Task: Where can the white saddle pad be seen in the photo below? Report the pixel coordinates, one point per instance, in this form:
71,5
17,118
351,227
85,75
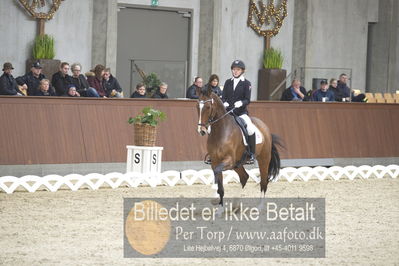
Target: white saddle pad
258,136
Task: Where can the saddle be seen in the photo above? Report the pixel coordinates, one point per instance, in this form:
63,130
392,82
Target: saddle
243,125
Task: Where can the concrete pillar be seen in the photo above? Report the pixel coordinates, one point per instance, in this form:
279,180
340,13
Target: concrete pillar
104,42
299,36
205,39
382,71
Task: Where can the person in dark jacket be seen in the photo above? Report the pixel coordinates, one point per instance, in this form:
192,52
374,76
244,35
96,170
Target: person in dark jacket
45,89
8,85
237,95
111,85
96,81
343,92
161,92
191,91
294,93
81,84
32,79
140,91
214,83
61,80
323,94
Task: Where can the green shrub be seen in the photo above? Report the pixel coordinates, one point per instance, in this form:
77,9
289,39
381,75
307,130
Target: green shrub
152,83
150,116
273,58
43,47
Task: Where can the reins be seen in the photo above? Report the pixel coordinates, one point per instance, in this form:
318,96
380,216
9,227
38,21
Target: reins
210,120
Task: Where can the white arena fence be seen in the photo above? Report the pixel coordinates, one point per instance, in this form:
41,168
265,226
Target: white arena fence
74,182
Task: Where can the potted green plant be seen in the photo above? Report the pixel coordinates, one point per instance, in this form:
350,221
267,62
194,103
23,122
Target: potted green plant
272,74
43,51
152,83
145,125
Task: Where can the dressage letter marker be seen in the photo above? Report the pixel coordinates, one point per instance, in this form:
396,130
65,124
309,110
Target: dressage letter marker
142,159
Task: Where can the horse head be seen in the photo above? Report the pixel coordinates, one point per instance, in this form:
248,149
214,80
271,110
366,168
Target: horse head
206,109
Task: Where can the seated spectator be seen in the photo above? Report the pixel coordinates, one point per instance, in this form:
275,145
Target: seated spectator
80,82
8,85
111,85
323,94
161,91
45,89
294,93
61,80
214,83
333,86
72,92
23,88
140,91
96,80
32,79
343,92
191,91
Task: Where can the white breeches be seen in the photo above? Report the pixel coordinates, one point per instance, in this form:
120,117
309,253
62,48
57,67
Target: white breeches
250,125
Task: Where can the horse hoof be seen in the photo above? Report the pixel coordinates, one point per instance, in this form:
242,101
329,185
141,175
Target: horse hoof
215,201
219,211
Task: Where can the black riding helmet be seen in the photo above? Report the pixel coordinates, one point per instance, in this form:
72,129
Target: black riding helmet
239,64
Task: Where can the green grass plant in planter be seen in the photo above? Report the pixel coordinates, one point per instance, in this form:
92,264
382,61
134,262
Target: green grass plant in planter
273,58
43,47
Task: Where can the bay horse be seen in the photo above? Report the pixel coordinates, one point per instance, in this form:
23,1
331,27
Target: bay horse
225,143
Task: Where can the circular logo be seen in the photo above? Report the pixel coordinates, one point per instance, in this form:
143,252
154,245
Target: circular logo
146,232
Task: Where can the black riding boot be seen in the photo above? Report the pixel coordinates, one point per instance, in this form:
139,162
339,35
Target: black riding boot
252,146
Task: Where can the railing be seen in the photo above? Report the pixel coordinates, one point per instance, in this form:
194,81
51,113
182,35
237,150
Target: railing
278,88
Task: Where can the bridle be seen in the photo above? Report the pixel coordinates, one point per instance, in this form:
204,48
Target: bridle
211,119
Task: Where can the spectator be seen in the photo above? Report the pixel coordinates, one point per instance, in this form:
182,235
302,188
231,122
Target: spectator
140,91
343,92
23,88
333,86
323,94
96,81
191,91
214,83
294,93
161,92
111,85
80,82
44,89
32,79
72,92
61,80
8,85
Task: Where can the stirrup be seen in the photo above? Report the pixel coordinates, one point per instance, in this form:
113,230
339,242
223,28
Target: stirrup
207,159
250,159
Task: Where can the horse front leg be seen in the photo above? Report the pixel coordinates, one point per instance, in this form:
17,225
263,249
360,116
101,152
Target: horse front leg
218,172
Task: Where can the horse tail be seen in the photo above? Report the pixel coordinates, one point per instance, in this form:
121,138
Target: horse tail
275,163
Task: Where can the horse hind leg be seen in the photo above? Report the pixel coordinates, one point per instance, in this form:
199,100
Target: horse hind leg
264,158
242,173
263,161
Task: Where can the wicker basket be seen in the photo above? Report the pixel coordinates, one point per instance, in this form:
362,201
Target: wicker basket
144,135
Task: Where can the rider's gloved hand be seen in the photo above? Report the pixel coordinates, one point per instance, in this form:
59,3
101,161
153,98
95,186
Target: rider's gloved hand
238,104
226,104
